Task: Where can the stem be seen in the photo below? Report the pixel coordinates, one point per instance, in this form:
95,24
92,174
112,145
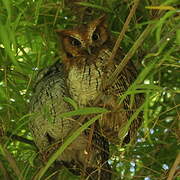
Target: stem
174,167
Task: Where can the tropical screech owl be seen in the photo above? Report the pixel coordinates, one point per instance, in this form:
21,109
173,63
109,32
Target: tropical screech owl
80,75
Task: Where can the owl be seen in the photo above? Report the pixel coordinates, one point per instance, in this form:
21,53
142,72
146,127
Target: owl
86,57
80,75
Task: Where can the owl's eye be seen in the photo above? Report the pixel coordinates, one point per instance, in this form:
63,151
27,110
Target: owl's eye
75,42
69,55
95,36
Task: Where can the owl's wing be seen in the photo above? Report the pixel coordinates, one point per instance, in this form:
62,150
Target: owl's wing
47,104
114,124
48,127
125,79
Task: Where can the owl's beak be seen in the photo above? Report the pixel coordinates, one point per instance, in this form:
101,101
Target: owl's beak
89,50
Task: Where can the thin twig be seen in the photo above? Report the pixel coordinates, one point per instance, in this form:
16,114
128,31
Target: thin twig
174,167
4,172
114,51
126,59
130,53
11,161
124,29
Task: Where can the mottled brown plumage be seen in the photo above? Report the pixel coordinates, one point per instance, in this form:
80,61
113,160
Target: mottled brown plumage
87,52
81,76
49,130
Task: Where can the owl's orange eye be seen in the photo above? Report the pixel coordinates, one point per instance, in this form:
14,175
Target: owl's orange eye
95,36
75,42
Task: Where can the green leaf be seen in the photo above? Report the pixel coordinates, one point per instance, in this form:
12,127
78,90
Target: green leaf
7,4
71,102
37,11
84,111
66,143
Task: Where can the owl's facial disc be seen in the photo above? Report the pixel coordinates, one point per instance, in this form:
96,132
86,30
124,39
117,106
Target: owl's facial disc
82,44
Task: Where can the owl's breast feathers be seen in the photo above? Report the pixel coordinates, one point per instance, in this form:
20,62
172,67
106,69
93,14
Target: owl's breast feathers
86,83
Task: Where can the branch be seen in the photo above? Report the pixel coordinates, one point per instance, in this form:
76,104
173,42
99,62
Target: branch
4,172
174,167
12,163
116,47
124,29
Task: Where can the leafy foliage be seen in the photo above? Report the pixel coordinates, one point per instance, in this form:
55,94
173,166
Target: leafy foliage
28,43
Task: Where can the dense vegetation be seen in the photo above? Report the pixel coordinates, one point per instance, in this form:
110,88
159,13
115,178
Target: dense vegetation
28,43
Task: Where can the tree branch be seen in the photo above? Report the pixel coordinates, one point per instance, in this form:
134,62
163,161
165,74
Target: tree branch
12,163
5,172
174,167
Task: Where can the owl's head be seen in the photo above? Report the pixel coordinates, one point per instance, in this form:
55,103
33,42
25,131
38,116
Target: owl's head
84,42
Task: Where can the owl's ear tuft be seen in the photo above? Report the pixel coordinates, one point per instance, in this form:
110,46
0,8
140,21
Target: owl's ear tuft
102,19
60,32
